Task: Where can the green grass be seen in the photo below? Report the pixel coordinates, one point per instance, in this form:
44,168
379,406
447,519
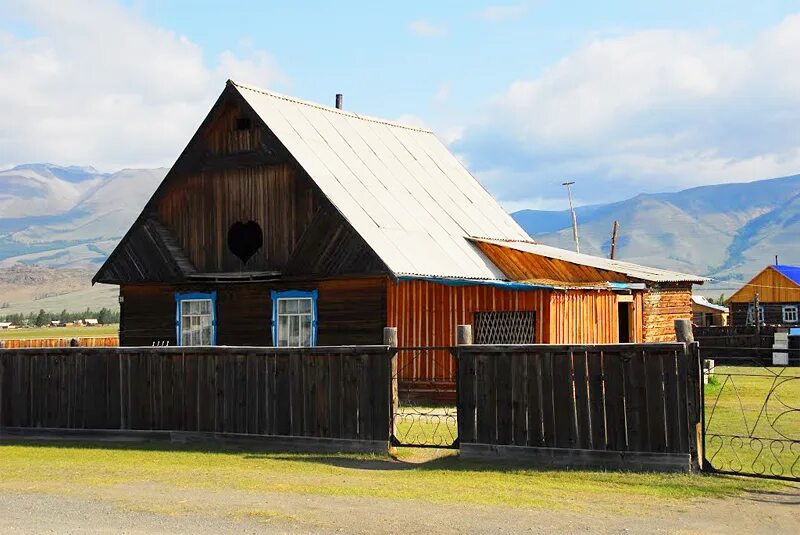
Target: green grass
735,406
418,425
59,332
93,470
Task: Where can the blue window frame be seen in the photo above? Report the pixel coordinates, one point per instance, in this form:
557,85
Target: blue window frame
196,319
294,318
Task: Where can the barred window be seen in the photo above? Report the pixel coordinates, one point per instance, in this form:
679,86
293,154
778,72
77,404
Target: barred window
517,327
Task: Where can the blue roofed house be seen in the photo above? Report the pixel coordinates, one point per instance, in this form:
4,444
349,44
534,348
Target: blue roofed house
778,289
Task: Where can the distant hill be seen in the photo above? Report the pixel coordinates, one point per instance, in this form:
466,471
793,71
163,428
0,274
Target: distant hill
726,231
72,217
68,216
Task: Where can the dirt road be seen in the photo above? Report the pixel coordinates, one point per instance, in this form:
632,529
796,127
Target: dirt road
154,509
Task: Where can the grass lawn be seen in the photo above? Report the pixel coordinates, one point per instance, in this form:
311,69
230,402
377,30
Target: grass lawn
94,469
60,332
417,425
735,407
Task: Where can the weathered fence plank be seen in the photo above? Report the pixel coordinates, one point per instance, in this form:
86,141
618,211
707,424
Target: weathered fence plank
612,405
324,393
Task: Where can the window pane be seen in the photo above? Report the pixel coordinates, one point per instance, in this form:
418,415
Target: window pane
283,331
294,331
305,325
291,306
304,306
281,306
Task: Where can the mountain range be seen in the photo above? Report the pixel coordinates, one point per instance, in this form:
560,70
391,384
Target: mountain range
71,217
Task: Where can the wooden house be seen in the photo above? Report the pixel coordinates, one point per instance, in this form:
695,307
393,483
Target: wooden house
778,288
707,314
289,223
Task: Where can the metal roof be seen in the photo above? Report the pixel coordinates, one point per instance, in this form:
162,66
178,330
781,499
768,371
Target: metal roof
398,186
702,301
628,269
790,272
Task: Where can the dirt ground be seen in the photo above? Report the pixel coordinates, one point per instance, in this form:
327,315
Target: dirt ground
148,508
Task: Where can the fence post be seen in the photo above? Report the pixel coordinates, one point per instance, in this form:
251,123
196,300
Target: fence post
390,339
464,335
694,392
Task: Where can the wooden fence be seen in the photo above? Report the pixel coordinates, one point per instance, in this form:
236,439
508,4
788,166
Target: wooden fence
734,341
333,397
83,341
628,406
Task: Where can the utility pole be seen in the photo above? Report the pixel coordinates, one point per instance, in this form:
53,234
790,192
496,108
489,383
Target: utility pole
614,240
574,219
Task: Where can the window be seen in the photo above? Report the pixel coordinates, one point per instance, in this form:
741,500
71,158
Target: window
243,123
790,314
196,319
751,320
517,327
294,318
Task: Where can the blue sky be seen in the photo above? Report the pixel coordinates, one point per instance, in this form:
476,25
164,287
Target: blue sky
623,97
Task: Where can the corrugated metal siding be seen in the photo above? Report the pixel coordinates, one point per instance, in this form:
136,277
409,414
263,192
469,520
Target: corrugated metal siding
427,313
399,187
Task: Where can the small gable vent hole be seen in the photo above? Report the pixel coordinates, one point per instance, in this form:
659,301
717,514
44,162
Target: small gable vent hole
243,123
245,239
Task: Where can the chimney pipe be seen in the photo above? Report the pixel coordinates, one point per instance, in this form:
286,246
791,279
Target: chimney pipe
338,101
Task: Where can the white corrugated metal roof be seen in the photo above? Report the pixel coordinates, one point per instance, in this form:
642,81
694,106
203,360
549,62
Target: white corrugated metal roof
629,269
398,186
702,301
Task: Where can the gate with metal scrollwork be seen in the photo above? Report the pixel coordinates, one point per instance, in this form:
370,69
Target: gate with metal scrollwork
752,415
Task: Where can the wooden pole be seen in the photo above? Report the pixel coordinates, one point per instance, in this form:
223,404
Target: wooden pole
683,331
390,339
614,240
464,335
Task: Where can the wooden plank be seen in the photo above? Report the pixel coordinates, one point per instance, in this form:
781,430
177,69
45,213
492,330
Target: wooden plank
365,399
594,361
548,400
349,397
534,408
297,396
486,406
466,393
381,394
683,416
582,408
283,415
615,401
694,384
504,389
635,401
519,398
253,388
335,395
310,390
654,391
564,401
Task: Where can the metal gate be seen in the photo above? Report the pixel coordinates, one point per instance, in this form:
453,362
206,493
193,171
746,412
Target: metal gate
752,414
424,413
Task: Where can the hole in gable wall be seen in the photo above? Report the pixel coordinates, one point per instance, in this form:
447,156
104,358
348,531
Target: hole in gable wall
245,239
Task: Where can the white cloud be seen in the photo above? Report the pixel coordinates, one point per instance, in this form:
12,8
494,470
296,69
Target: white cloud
443,93
501,13
426,28
652,110
98,84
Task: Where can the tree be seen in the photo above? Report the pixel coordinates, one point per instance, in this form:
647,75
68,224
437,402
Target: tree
104,316
41,318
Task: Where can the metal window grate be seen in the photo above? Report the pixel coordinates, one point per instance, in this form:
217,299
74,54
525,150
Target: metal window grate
517,327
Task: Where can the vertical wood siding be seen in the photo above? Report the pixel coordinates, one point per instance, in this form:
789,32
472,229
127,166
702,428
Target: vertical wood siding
426,314
200,209
589,317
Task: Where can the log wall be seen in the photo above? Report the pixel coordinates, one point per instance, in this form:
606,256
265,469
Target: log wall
663,305
349,312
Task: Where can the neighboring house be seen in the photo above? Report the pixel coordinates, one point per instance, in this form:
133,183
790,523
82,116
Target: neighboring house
5,324
289,223
90,322
707,314
778,288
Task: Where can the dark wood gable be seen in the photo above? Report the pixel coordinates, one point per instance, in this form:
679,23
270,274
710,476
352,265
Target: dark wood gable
236,182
